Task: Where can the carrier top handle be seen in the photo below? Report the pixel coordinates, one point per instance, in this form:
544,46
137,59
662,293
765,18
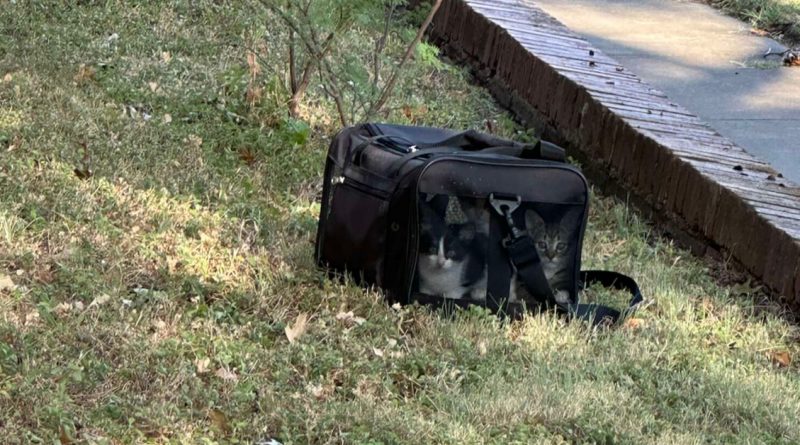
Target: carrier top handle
472,140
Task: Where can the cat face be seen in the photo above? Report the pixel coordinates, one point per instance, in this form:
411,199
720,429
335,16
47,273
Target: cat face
444,245
552,239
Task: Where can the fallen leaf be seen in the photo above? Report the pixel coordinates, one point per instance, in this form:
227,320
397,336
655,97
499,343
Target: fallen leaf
219,420
482,348
253,95
193,141
350,319
6,283
781,359
166,56
633,323
201,365
100,300
758,32
295,331
8,78
227,375
62,308
247,156
255,69
153,86
377,352
31,318
15,143
167,118
407,112
63,436
85,74
318,391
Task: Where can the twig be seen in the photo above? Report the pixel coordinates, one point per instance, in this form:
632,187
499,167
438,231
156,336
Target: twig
387,89
380,45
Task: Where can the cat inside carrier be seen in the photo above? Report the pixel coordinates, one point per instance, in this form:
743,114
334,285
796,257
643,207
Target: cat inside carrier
445,218
453,250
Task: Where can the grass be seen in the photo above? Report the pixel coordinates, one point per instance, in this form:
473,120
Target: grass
148,302
779,17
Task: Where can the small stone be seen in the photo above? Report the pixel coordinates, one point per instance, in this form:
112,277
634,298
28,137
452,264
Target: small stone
738,168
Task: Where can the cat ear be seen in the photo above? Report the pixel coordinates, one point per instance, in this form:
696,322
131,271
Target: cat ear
572,217
533,220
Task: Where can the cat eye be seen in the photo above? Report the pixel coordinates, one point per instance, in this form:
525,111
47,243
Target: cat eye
542,245
561,247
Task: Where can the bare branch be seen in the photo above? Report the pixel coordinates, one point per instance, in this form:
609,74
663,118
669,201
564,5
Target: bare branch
387,89
292,64
380,45
329,85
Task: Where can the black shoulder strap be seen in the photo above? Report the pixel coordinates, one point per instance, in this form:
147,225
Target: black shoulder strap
529,271
599,313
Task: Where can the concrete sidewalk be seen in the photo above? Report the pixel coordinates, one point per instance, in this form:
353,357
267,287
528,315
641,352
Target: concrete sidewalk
704,61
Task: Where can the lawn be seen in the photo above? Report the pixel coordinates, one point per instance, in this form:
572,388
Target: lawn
157,219
779,17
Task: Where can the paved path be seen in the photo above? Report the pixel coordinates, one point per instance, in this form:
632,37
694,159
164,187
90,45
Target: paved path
705,61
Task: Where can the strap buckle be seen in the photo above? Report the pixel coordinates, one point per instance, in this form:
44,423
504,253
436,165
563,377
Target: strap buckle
506,207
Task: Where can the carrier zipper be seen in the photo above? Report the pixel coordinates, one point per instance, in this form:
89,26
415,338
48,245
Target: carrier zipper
377,193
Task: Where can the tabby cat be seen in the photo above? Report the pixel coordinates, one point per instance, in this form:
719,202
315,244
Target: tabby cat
555,244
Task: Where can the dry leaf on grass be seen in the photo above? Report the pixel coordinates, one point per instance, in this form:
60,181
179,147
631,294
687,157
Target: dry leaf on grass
781,359
227,375
219,420
295,331
85,73
6,283
633,323
252,62
202,364
8,78
63,437
100,300
350,319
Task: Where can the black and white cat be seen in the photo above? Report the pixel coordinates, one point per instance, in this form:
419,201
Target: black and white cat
452,255
555,242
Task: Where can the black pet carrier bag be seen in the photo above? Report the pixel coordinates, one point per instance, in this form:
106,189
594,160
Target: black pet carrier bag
446,218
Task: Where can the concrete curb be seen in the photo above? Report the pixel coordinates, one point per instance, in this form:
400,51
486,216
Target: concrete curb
657,150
